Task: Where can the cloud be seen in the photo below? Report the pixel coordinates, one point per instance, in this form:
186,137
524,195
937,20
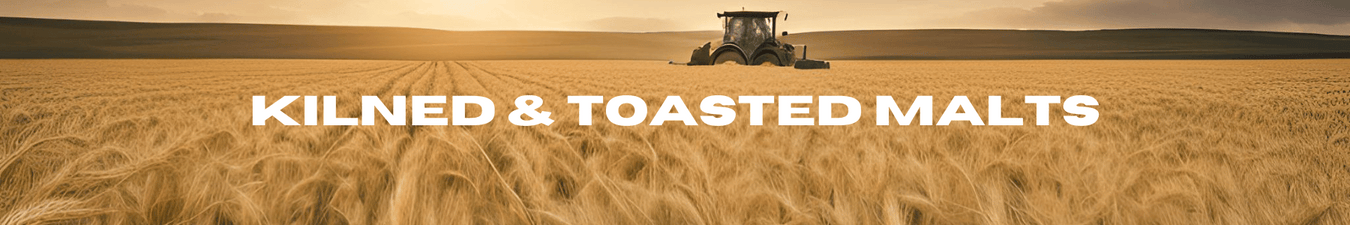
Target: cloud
1289,15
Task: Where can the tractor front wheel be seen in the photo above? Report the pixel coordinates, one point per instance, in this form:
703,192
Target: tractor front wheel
729,56
767,58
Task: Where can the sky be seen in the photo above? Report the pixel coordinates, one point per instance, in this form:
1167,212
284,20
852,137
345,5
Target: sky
1313,16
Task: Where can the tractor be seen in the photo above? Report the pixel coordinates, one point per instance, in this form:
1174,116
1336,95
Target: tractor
748,39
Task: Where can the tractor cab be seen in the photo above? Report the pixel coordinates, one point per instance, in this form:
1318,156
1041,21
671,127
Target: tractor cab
748,38
749,28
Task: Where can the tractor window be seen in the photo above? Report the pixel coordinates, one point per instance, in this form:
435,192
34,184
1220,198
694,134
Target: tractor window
735,29
758,29
748,32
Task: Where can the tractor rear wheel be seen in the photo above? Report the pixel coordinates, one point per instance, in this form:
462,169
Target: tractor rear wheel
767,58
729,56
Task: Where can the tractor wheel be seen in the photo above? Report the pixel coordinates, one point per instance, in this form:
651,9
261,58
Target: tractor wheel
767,58
729,56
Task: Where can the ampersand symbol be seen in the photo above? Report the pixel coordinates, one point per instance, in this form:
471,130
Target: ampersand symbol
528,105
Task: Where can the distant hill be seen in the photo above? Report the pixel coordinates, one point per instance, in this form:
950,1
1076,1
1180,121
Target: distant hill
52,38
1096,44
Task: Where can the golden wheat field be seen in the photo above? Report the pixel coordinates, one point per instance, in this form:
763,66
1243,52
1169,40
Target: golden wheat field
1178,142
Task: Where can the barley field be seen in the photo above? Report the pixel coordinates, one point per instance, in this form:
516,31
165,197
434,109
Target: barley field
171,142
